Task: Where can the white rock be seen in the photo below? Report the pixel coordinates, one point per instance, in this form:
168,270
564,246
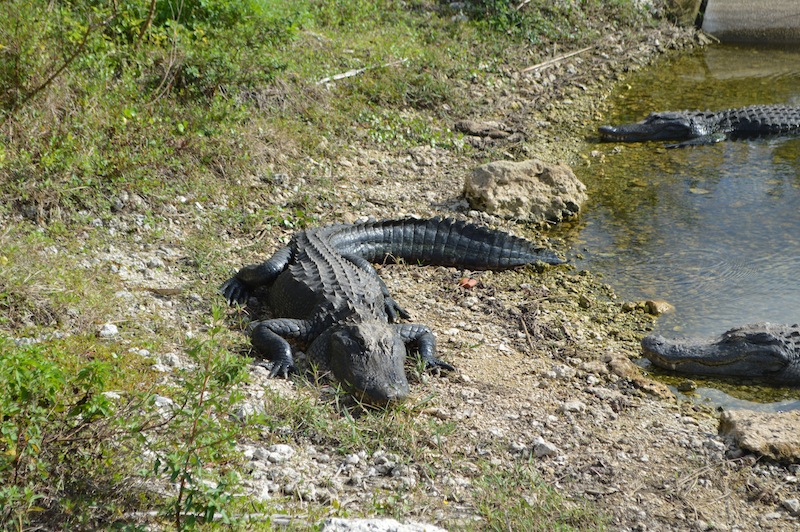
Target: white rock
542,448
792,505
562,371
170,359
161,368
261,454
108,330
572,406
280,452
155,262
163,403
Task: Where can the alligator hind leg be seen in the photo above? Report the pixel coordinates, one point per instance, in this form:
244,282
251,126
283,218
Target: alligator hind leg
421,338
268,337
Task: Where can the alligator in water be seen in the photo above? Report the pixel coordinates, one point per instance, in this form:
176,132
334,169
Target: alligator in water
326,294
761,351
692,128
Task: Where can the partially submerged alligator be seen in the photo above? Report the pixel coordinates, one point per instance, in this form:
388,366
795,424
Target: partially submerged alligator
692,128
761,351
328,296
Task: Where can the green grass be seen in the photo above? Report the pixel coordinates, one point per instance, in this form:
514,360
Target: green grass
205,108
517,499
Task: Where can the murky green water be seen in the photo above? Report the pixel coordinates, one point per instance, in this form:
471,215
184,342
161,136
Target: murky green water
714,230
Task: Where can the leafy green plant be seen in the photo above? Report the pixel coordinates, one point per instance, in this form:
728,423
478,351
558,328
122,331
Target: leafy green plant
404,130
68,451
55,428
200,431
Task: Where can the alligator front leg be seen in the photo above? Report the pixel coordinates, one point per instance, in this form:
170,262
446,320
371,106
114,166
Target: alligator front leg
699,141
238,288
268,337
422,340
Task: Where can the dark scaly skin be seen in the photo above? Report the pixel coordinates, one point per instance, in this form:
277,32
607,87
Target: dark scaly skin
761,351
692,128
328,296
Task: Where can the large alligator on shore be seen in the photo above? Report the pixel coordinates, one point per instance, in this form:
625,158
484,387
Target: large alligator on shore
761,351
692,128
325,293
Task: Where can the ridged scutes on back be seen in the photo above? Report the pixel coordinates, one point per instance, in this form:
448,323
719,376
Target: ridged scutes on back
760,120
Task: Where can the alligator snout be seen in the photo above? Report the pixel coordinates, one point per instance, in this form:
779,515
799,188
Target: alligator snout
758,351
608,132
369,358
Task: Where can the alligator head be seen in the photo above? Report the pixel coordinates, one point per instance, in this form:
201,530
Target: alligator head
659,126
369,359
762,351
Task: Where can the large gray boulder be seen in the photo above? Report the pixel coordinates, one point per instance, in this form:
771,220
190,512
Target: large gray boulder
530,191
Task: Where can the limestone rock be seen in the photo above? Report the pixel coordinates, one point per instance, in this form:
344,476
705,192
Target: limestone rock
621,366
108,330
530,190
657,307
542,448
774,435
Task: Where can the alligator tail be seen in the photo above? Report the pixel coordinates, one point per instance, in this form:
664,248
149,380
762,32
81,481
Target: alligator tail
440,241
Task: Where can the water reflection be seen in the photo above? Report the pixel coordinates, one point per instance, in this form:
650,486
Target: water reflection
714,396
714,230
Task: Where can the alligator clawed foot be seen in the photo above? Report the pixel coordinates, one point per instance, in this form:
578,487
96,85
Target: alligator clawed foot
234,291
276,368
437,365
393,310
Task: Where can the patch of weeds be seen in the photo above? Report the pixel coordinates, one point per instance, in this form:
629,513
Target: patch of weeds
404,130
59,435
400,86
69,449
341,422
41,285
515,498
145,105
544,21
261,221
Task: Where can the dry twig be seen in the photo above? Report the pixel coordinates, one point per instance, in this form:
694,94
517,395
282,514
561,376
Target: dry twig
555,60
357,71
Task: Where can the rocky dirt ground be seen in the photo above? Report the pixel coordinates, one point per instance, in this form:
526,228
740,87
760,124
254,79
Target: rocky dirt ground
544,373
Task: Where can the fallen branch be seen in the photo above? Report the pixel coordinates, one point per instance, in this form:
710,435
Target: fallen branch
555,60
357,71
